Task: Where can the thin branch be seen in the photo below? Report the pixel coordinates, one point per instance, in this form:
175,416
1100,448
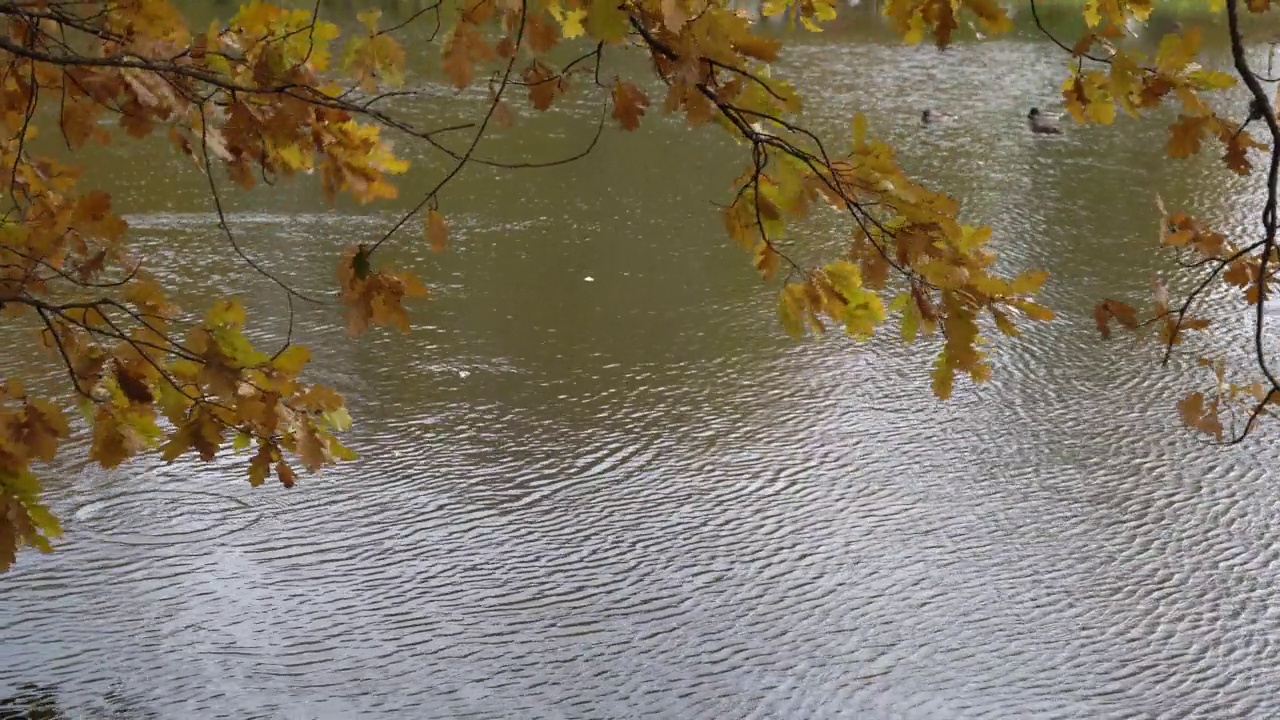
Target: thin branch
222,217
1273,180
475,141
62,351
1035,15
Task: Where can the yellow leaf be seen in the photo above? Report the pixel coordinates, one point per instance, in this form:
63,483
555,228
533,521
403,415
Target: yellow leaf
436,230
1177,50
292,359
1003,322
791,309
845,277
859,126
338,419
607,21
767,261
944,377
227,312
369,18
1028,283
1034,311
571,26
1091,14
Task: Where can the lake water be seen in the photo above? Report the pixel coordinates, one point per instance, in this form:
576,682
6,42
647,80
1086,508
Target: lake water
597,481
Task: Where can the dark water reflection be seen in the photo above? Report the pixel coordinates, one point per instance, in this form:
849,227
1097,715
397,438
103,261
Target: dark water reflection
630,496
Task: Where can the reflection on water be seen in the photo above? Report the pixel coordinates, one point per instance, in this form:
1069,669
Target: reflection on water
632,497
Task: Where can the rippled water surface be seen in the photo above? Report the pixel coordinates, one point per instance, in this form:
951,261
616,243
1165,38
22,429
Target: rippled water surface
631,497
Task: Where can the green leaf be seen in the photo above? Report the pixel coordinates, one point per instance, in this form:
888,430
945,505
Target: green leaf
338,419
910,323
1212,79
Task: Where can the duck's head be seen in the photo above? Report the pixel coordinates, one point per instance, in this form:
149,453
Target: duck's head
926,116
1035,113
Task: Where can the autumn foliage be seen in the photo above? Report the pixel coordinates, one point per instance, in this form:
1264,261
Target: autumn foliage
274,92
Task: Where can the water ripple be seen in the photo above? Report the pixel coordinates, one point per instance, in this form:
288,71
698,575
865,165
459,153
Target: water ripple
630,498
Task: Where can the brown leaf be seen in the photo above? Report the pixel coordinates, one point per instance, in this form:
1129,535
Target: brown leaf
78,124
1237,156
1101,318
133,386
758,47
540,35
543,85
1185,134
1083,44
285,473
260,465
503,115
91,267
1191,408
312,448
767,261
506,48
1239,272
628,104
674,14
1195,414
458,63
1123,313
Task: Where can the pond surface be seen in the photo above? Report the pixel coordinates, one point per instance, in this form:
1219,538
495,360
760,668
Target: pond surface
597,481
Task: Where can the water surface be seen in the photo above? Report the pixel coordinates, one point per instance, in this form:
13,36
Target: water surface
632,497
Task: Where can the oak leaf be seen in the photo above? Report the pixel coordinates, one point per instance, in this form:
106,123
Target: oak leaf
1185,134
543,84
628,104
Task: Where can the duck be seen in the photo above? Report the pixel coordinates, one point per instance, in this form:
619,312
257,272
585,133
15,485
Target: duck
1041,124
929,117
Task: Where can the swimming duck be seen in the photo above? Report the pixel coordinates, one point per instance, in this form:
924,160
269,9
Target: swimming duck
929,117
1041,124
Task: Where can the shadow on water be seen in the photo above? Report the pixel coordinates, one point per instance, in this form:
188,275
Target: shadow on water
46,701
32,701
41,701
